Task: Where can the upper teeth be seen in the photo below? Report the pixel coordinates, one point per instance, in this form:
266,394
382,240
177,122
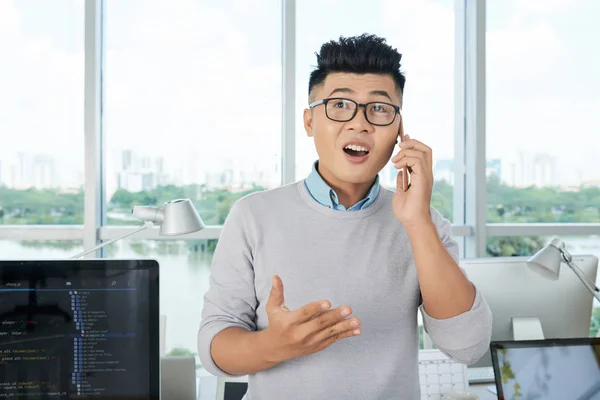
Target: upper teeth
356,147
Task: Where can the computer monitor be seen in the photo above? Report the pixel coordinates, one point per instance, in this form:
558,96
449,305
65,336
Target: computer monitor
79,329
512,290
547,369
232,387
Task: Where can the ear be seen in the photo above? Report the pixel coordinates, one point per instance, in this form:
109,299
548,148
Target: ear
308,122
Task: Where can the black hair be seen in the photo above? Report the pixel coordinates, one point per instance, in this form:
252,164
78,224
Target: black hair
363,54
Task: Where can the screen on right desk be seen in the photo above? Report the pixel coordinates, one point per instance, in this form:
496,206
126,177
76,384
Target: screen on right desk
548,369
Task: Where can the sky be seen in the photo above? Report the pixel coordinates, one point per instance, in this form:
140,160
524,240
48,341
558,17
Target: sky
199,83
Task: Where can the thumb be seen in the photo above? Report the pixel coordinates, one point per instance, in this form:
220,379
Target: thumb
276,300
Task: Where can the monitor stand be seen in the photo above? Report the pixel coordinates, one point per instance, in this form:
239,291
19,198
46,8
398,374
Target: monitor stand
523,328
527,328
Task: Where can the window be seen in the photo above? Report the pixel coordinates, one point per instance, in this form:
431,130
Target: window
506,246
543,96
423,32
41,112
192,104
185,271
39,249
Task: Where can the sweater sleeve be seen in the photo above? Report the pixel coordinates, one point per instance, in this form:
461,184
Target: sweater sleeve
464,337
231,298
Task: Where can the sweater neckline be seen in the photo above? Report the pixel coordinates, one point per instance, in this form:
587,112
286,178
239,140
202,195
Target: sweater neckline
374,207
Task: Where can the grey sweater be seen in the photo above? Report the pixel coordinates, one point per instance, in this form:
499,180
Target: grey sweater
362,259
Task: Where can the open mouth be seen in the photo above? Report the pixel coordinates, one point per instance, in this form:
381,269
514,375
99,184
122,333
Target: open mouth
356,151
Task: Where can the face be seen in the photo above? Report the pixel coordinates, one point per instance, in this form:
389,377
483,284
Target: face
341,145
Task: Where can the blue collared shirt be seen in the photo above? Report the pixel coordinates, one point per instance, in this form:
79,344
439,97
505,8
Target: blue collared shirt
325,195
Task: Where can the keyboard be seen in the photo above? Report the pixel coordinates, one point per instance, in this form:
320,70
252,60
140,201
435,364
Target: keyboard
481,375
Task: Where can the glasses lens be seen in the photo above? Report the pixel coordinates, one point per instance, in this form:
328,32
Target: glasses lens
380,113
340,109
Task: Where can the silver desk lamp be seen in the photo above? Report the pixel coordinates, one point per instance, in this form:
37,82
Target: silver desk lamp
546,263
176,217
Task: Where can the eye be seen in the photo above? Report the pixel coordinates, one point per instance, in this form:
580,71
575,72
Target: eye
343,104
381,108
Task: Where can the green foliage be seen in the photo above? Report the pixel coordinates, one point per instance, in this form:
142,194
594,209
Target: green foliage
181,352
538,205
595,323
212,204
504,204
442,198
513,246
40,207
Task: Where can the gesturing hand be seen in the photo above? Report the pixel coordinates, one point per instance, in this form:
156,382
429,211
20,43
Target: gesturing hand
307,330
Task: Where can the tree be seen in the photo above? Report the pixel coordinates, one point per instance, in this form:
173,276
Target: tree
513,246
504,204
181,352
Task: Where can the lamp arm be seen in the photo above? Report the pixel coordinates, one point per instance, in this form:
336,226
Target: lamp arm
591,287
101,245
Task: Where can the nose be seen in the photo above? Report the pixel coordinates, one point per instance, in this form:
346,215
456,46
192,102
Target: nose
359,122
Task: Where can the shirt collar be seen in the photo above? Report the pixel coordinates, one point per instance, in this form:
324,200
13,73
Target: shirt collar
325,195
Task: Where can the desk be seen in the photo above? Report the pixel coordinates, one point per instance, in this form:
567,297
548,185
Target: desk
207,389
480,389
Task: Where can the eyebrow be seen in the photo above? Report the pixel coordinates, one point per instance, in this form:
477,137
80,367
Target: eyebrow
372,92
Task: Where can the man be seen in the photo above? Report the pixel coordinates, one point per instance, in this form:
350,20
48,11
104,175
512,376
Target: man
315,285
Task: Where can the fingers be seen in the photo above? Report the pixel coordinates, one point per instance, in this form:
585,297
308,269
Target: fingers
415,164
310,311
409,143
341,330
276,300
407,153
327,319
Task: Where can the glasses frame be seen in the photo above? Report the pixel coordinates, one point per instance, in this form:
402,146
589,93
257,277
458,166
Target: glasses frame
358,105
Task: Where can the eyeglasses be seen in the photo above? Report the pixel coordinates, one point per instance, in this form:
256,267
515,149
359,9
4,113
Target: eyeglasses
343,110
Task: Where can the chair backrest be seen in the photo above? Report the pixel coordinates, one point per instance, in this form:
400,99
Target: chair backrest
178,378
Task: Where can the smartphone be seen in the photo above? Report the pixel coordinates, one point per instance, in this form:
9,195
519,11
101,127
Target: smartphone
405,173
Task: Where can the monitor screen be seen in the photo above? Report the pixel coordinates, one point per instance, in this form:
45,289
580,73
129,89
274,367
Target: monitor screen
549,369
235,390
79,329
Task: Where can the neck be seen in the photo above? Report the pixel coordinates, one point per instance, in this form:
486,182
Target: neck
348,193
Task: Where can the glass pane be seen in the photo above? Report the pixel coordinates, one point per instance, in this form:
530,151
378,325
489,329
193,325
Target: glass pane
41,112
39,250
185,269
192,103
543,96
423,31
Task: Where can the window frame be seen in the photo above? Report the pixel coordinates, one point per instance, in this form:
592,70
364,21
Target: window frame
469,225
